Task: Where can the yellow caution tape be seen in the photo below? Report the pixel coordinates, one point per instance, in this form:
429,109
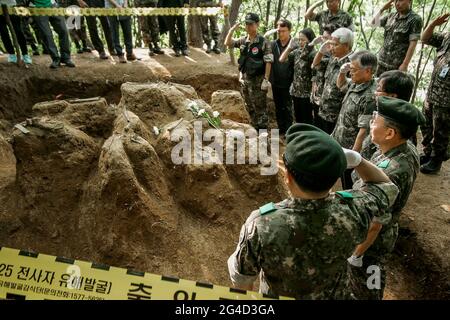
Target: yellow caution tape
33,276
75,11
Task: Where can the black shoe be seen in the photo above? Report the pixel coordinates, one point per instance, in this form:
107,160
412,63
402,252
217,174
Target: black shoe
216,50
36,52
45,52
80,50
55,64
424,158
87,49
208,48
158,50
113,53
177,52
103,55
185,52
433,166
151,52
68,63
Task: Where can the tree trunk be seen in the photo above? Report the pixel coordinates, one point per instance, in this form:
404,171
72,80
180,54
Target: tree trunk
13,34
267,13
233,16
416,85
308,3
194,32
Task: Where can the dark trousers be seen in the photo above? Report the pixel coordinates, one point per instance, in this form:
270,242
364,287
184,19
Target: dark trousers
93,30
125,24
9,47
436,131
303,110
177,32
283,108
59,25
315,108
79,35
28,22
325,125
346,179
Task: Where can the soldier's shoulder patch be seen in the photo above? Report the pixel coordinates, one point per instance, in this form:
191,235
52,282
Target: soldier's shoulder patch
267,208
384,164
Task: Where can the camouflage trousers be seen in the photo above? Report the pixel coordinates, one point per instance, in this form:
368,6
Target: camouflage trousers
362,277
256,101
148,25
210,29
436,131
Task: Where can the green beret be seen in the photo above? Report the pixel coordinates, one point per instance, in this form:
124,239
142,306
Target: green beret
400,111
313,153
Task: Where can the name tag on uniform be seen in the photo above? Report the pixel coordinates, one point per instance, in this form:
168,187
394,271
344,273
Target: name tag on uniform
444,71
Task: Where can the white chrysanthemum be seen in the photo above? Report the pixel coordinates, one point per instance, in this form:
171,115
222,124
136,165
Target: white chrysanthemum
216,114
201,111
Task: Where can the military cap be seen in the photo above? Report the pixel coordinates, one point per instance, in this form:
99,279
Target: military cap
400,111
251,18
312,152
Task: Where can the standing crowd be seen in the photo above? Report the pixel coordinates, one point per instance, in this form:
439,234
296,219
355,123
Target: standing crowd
37,30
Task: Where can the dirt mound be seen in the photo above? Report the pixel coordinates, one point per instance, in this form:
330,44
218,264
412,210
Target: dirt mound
95,182
231,105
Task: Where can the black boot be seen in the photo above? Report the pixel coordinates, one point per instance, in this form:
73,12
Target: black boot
216,49
151,52
208,48
157,49
433,166
177,52
424,158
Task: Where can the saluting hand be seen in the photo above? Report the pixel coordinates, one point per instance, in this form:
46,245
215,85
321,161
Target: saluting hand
235,26
388,5
441,20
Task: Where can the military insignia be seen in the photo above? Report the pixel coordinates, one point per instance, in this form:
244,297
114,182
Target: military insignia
269,207
255,50
384,164
344,194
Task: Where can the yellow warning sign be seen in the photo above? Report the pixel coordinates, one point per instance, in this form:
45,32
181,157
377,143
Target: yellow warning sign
33,276
76,11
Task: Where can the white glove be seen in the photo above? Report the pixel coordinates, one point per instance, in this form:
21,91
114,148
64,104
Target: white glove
265,85
270,32
353,158
356,261
345,68
325,48
316,41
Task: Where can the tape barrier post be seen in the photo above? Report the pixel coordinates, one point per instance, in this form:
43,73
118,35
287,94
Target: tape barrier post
32,276
207,11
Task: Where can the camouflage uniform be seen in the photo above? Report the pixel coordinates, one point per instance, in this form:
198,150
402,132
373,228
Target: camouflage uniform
342,20
357,109
207,34
255,98
300,246
368,147
399,32
301,60
401,165
332,96
318,80
437,109
148,24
